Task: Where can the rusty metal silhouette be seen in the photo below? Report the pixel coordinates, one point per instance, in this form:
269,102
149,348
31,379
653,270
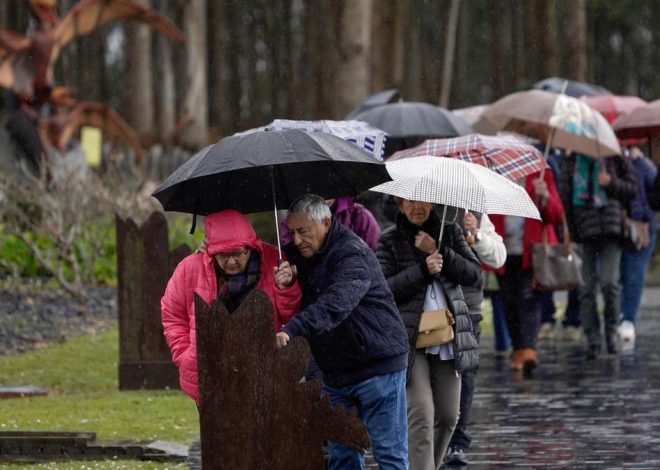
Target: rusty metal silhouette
254,410
144,265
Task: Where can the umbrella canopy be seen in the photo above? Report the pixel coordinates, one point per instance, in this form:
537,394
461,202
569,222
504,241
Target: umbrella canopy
471,113
457,183
359,133
556,119
377,99
613,106
264,170
570,87
642,122
504,155
406,119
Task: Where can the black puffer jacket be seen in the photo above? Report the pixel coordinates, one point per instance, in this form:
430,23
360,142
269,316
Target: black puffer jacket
588,223
405,269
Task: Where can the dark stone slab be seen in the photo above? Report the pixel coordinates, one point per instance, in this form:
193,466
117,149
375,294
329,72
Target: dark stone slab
21,392
47,446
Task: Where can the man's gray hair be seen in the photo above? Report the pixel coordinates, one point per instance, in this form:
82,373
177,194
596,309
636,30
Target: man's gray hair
311,205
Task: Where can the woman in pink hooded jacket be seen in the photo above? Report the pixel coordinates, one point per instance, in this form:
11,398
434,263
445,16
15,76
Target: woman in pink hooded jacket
233,263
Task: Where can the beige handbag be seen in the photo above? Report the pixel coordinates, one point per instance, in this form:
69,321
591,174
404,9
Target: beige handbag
435,327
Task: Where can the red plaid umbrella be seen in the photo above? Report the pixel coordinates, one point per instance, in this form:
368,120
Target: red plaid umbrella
613,106
505,155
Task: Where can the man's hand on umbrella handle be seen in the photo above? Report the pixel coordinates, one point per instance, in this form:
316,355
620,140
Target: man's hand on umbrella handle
424,242
604,177
434,263
281,339
284,275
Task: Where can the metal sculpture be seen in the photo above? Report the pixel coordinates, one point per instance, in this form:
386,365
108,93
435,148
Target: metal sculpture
254,410
27,63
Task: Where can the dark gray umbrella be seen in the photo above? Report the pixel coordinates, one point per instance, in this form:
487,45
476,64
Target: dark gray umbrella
377,99
409,119
265,170
573,88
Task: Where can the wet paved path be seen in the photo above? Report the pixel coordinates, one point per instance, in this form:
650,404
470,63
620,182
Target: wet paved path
574,413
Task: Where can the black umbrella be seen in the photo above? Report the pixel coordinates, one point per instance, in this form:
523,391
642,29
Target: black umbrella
377,99
265,170
412,120
573,88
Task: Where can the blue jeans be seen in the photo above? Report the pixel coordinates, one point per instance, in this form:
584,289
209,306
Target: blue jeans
633,274
547,307
572,312
601,265
381,404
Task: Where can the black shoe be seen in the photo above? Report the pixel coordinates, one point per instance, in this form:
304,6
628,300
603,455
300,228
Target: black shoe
612,343
592,351
456,456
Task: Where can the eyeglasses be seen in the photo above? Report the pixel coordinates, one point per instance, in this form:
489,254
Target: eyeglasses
237,255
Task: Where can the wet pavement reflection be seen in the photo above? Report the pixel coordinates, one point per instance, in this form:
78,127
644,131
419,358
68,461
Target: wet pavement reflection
573,412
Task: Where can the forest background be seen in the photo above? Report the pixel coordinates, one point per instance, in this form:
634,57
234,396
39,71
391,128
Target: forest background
247,62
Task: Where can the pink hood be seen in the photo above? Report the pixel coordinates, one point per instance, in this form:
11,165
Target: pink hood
227,231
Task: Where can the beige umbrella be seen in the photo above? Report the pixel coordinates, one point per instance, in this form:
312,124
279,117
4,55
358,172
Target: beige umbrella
641,122
556,119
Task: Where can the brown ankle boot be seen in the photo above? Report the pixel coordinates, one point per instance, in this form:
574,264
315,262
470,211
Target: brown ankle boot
529,360
516,360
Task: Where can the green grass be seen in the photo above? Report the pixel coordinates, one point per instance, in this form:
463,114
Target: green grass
81,376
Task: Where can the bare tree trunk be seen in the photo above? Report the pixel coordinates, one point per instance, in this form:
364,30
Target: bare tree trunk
232,114
547,22
398,51
496,60
216,37
450,49
167,94
138,99
321,24
354,43
383,43
518,43
576,29
4,14
195,103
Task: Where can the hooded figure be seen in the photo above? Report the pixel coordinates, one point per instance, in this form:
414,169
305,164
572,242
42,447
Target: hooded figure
234,262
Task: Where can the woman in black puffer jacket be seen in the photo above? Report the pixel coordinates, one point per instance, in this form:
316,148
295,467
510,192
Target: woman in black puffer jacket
422,277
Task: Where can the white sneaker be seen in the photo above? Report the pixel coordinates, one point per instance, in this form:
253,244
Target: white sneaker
546,332
572,334
627,332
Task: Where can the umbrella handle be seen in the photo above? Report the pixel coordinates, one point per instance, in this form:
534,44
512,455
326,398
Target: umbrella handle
277,223
442,226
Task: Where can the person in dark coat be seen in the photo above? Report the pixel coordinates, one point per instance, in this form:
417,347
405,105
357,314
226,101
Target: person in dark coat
594,193
424,276
635,260
354,329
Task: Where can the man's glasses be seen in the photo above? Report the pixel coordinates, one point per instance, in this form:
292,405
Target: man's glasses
237,255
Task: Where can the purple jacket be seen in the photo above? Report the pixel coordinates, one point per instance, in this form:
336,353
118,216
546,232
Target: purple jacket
350,214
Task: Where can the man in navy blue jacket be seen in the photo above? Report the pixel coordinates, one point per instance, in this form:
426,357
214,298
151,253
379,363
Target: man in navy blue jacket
354,329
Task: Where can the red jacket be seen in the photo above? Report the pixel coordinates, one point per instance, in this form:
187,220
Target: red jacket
226,231
551,214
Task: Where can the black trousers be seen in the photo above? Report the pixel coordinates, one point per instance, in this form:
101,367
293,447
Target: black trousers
461,438
521,306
